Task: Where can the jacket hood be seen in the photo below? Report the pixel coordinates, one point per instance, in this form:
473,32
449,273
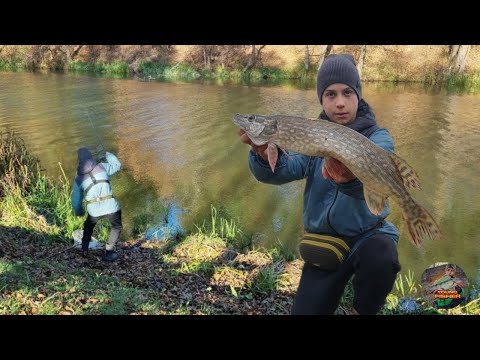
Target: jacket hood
86,162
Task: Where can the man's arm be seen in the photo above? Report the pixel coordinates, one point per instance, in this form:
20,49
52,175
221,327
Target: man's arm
112,165
289,168
76,199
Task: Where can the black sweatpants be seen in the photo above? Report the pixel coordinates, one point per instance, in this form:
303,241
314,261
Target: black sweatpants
115,221
375,266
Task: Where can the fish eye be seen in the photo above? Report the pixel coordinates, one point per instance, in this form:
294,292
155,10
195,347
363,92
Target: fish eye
251,118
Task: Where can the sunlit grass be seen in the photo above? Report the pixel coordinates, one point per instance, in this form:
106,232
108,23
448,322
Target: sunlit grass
266,280
219,226
14,64
454,83
116,68
152,70
405,285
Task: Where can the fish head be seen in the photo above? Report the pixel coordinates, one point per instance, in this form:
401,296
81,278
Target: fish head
259,128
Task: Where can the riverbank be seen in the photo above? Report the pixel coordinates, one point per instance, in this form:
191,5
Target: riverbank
272,63
213,270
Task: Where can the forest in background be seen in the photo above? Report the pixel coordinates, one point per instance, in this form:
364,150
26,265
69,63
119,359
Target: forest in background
420,63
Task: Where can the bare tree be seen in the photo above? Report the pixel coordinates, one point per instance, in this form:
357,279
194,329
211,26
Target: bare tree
92,53
45,56
226,56
110,52
207,57
361,59
307,58
229,56
457,58
254,55
327,49
75,52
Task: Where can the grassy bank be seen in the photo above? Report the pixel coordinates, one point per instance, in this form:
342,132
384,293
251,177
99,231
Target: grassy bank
427,64
212,270
150,71
32,201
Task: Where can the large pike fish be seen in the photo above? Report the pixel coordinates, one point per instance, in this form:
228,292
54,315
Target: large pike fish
448,284
382,173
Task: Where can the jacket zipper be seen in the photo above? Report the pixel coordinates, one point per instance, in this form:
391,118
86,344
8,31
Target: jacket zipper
328,212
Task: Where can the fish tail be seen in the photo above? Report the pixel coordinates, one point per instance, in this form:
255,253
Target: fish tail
421,224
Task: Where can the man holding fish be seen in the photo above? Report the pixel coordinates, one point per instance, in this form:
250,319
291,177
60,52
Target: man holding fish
350,170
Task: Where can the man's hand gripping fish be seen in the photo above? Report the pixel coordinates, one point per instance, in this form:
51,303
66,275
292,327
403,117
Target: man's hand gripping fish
383,174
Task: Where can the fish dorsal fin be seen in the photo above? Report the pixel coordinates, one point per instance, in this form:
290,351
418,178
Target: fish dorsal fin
407,173
375,201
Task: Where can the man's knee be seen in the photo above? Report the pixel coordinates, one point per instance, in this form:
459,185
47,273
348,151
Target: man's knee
116,221
379,253
117,226
90,221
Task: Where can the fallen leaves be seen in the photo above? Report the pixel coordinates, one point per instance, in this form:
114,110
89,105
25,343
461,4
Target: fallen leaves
197,276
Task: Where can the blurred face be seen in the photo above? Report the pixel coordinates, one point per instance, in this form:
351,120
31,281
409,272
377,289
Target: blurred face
450,271
340,103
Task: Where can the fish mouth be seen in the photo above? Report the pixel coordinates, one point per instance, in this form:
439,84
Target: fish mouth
239,118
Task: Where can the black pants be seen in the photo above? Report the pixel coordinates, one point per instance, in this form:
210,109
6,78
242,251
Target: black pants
375,266
115,221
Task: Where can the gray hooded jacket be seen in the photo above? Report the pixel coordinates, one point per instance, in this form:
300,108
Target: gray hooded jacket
88,167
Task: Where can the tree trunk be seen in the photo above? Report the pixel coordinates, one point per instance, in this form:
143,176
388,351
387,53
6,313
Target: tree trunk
252,60
75,52
361,60
206,57
327,50
457,58
307,58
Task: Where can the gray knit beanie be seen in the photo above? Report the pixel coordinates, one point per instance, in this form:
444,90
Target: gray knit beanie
339,68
